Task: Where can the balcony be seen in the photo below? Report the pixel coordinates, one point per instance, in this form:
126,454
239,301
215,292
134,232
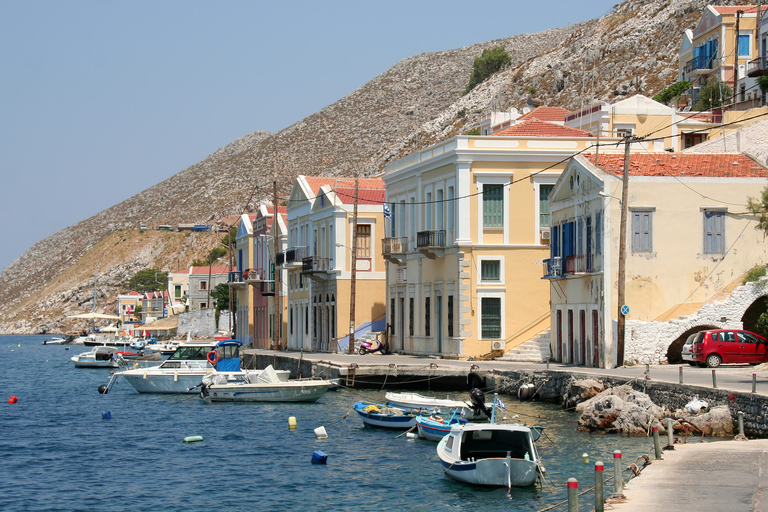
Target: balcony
701,65
280,258
431,243
756,67
295,256
552,267
236,279
252,275
574,264
316,268
394,249
267,288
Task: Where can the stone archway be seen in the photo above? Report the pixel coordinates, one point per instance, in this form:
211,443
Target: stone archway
673,351
753,312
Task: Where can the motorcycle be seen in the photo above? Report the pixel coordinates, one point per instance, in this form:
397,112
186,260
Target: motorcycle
369,347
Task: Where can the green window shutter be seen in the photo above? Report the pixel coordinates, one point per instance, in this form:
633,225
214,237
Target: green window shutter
493,206
491,318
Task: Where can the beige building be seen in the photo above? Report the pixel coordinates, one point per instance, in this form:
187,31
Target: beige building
318,260
469,221
688,236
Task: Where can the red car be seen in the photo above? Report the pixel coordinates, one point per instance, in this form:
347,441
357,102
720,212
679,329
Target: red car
712,348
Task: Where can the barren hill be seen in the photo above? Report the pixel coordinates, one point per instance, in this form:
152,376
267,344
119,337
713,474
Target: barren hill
413,104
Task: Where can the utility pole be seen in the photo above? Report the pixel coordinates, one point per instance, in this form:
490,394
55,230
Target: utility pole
353,277
623,255
276,328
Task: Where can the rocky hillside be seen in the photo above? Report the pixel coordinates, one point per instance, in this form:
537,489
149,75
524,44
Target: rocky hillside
413,104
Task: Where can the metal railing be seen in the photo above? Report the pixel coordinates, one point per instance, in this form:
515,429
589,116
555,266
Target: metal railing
315,264
235,276
395,245
756,67
430,238
295,255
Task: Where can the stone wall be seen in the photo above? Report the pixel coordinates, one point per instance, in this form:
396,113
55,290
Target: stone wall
647,342
552,385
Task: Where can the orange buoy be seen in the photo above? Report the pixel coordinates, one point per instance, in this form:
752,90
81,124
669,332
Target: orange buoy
13,400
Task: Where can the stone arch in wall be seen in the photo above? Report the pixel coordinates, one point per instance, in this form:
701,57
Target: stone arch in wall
675,348
753,312
652,342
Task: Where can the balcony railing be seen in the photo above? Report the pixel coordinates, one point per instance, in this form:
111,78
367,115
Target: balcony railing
235,276
430,238
280,259
756,67
267,288
552,267
295,255
574,264
395,245
315,264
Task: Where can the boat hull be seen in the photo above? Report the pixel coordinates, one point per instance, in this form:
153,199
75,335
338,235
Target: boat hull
394,421
492,472
445,407
185,381
432,430
289,391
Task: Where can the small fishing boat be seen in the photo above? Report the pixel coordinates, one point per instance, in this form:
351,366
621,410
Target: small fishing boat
380,415
497,454
183,371
55,341
104,356
438,405
265,386
434,427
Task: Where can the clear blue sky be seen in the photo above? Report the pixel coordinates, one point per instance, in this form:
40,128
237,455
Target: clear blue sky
100,100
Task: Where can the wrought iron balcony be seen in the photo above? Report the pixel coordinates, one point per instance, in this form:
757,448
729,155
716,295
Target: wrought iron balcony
756,67
314,264
295,255
280,258
552,267
235,276
431,243
267,288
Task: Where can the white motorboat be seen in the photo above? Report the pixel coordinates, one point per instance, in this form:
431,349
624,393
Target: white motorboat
104,356
166,349
183,371
430,404
497,454
55,341
265,386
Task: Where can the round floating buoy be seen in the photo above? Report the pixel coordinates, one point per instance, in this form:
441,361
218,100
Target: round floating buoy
292,423
321,433
106,415
585,456
411,435
103,389
13,400
193,439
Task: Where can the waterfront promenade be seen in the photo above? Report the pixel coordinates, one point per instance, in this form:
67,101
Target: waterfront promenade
712,476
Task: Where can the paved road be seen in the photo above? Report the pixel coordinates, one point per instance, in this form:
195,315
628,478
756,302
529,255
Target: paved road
722,475
729,377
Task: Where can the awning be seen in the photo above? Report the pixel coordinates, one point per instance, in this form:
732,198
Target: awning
164,324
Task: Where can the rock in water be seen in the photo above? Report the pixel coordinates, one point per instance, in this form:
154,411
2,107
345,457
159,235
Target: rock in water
620,410
581,390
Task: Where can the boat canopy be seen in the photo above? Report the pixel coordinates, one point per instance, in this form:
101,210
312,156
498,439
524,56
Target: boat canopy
229,355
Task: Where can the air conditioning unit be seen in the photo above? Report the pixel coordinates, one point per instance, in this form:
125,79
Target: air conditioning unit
544,233
499,345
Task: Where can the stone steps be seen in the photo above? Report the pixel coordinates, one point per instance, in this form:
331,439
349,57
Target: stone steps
534,350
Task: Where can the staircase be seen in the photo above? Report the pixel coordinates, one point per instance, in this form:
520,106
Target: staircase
534,350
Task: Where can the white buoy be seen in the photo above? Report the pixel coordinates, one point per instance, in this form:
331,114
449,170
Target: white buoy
321,433
411,435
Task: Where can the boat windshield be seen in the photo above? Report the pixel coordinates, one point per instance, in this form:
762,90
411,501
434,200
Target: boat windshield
190,353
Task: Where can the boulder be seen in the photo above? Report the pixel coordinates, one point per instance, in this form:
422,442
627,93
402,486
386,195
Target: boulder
580,390
620,410
717,422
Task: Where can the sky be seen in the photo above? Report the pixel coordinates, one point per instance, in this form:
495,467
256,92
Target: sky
100,100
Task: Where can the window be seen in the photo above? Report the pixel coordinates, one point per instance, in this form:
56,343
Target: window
177,291
493,206
363,241
490,320
714,232
426,316
641,231
392,316
450,316
490,270
203,305
624,130
744,45
439,218
544,191
410,316
428,212
203,285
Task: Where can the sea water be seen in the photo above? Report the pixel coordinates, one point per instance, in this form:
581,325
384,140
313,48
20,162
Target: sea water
66,447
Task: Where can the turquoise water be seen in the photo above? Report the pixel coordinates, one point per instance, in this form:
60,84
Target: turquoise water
60,454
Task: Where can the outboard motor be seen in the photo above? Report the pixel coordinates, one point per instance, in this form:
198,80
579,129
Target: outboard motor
478,402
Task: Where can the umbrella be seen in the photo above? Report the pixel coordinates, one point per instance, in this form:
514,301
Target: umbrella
94,316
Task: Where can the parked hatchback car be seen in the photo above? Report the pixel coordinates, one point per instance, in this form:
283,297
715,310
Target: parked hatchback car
685,352
714,347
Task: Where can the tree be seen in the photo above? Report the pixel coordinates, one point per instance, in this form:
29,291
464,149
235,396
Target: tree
148,280
672,92
216,253
488,63
760,208
712,95
220,296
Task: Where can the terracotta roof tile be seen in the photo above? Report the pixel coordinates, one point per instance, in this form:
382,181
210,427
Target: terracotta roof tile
214,270
709,165
546,114
731,9
537,128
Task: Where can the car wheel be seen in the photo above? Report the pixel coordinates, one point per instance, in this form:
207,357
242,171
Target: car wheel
714,360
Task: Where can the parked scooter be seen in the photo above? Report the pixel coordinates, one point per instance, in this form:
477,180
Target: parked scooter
368,347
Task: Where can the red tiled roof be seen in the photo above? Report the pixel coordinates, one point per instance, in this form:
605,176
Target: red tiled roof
214,270
731,9
546,114
706,165
537,128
